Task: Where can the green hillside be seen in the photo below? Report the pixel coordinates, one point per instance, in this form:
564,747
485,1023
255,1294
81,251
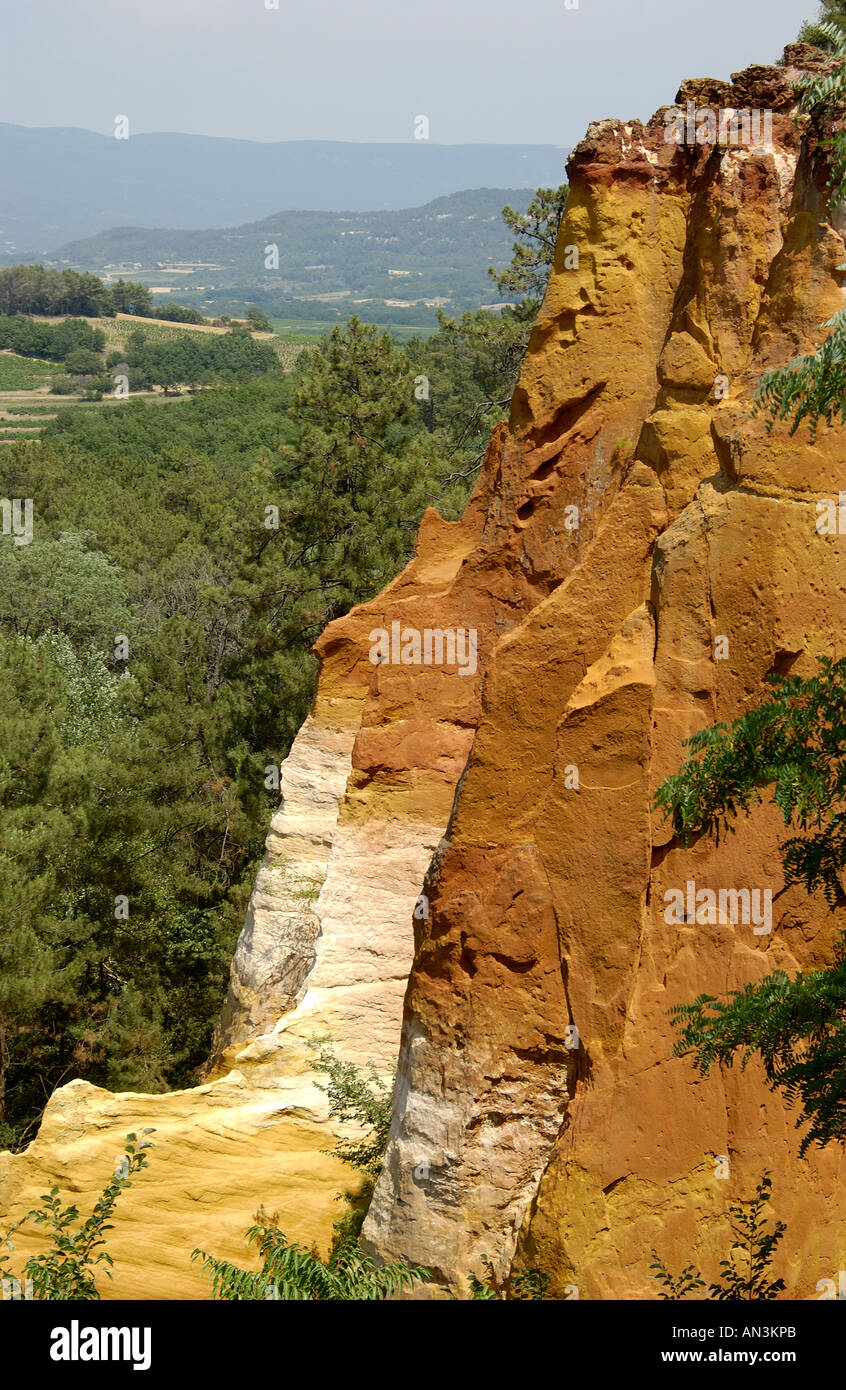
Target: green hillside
395,266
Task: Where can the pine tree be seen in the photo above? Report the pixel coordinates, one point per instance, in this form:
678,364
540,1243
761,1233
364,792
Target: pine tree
358,479
536,230
472,364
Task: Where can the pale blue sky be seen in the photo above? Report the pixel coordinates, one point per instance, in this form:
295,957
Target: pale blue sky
481,70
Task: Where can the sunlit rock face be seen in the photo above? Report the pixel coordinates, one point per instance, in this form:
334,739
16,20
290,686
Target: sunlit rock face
538,1110
465,869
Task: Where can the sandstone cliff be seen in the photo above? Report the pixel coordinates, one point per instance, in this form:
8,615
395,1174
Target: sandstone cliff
638,554
696,571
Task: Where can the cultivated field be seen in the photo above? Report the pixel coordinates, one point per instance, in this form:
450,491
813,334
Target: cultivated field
118,329
25,400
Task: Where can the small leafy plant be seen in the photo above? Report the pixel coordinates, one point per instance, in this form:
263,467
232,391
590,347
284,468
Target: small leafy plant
366,1100
66,1271
529,1285
745,1274
484,1289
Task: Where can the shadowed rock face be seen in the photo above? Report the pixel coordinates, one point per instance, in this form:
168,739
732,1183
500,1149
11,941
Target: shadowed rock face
631,516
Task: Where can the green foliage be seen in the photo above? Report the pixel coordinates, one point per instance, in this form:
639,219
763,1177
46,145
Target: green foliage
676,1286
794,743
131,297
813,387
817,32
62,585
96,805
64,386
176,313
81,362
290,1271
32,289
66,1271
484,1289
745,1273
358,479
536,230
530,1285
349,1225
196,359
472,364
525,1285
364,1100
824,95
145,779
229,423
257,319
55,342
797,1026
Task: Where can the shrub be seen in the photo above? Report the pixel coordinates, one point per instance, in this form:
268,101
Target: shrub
291,1272
745,1274
66,1270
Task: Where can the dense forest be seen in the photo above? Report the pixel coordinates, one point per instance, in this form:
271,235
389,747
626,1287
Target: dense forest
155,657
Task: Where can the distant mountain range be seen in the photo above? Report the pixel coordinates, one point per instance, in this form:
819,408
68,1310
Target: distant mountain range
58,185
438,253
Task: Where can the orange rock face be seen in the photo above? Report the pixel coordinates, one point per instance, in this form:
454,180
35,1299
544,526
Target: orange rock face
539,1112
639,553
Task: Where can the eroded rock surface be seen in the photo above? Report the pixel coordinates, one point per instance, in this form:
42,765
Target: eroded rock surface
638,554
698,570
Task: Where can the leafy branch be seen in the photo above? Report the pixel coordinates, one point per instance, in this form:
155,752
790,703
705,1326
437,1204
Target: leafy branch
66,1271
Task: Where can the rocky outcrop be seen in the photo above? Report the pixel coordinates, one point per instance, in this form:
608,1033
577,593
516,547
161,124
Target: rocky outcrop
466,852
538,1109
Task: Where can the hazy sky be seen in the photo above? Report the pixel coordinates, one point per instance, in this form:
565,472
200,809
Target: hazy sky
481,70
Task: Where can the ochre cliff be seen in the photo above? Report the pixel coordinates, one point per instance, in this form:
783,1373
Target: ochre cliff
638,554
699,572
